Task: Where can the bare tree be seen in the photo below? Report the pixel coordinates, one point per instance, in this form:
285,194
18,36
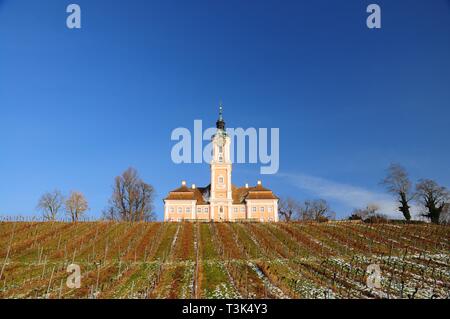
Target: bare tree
50,204
397,183
372,209
317,209
434,198
132,198
76,206
288,209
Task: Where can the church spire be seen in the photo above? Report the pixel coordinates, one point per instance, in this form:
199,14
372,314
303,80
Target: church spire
220,124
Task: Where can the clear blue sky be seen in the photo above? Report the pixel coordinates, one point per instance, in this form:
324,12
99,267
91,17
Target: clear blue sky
77,107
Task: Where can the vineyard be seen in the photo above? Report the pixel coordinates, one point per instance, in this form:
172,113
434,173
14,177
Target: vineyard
224,260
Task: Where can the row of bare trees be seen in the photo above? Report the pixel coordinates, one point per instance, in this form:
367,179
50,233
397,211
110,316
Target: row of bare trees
433,199
131,200
314,210
53,203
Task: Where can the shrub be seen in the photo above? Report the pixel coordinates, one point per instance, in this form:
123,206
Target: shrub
376,219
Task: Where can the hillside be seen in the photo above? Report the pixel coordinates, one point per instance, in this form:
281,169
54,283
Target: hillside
204,260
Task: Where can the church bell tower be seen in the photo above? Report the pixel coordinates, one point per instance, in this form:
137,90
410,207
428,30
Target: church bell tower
221,195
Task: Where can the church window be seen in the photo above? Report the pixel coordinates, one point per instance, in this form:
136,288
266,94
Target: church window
261,209
188,210
180,210
220,179
269,208
254,209
171,209
235,209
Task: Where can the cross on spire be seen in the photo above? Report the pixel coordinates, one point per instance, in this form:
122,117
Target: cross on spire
220,111
220,124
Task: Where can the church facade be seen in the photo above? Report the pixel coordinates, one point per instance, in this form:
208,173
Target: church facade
221,200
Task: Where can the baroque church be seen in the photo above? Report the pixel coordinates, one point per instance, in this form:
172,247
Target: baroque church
221,200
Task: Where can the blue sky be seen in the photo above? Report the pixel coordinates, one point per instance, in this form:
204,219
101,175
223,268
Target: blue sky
77,107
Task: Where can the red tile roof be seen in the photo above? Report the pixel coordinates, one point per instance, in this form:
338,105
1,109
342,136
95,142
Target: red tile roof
239,194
